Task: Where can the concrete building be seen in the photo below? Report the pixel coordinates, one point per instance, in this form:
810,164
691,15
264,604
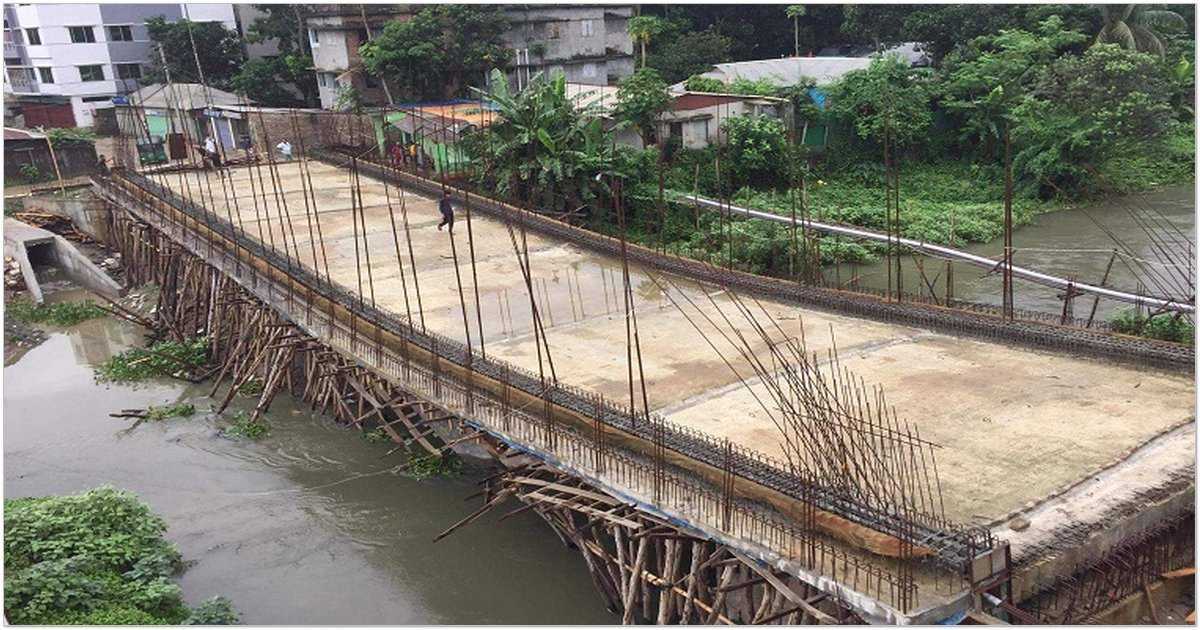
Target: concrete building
63,61
589,44
694,118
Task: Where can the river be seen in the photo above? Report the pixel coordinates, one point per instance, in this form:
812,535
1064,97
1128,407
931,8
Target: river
1061,243
307,526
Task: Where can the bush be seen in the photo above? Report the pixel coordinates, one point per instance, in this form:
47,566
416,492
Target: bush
1162,327
92,558
217,611
757,151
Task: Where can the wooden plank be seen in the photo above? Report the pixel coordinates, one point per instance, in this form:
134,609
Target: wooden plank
792,596
582,508
602,498
1178,573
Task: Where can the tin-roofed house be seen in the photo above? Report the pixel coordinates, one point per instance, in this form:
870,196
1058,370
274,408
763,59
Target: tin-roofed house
694,119
167,118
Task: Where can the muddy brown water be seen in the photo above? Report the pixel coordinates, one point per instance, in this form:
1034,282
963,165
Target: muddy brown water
1061,243
308,526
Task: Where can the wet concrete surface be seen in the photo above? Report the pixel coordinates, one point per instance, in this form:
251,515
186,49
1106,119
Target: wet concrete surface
982,402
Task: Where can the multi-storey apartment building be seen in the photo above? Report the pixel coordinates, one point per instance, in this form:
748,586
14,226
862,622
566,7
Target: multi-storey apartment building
589,44
65,60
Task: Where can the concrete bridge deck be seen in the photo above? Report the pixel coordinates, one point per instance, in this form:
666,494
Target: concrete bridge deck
1020,429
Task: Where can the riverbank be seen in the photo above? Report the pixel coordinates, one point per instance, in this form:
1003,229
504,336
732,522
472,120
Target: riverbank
310,525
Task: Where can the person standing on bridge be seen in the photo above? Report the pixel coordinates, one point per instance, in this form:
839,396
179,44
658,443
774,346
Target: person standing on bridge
447,212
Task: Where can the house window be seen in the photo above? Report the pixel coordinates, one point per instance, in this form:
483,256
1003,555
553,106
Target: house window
82,34
326,79
46,74
96,99
312,38
120,34
586,28
552,31
91,73
34,37
129,70
589,69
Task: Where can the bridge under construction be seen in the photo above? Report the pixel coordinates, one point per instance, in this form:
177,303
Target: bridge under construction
720,447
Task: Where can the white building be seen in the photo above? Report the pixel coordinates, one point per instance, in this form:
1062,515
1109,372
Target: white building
64,60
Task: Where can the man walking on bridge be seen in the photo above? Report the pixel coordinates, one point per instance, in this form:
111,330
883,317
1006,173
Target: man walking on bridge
447,212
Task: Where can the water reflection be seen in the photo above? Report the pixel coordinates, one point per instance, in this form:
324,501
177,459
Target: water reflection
311,525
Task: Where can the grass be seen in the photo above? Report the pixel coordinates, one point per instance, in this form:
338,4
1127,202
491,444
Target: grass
56,314
244,428
96,558
165,358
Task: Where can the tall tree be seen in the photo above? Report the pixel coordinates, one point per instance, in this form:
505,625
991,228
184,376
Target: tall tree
440,51
282,24
643,29
640,100
796,11
1137,26
218,49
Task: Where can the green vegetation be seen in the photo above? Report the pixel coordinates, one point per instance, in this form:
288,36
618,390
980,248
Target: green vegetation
376,436
65,136
96,558
252,387
155,413
543,150
165,358
245,428
57,314
640,100
1164,327
439,51
428,466
283,25
31,173
218,49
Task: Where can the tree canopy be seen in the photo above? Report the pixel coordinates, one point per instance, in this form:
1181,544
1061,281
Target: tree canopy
218,48
640,100
440,51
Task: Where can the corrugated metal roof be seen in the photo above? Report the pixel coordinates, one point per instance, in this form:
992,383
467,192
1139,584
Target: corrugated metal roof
11,133
692,100
182,96
602,96
786,71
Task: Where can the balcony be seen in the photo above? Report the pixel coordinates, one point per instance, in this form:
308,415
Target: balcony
21,80
13,50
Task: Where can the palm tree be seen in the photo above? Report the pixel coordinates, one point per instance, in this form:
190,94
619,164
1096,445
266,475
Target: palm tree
643,28
543,143
796,11
1136,26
